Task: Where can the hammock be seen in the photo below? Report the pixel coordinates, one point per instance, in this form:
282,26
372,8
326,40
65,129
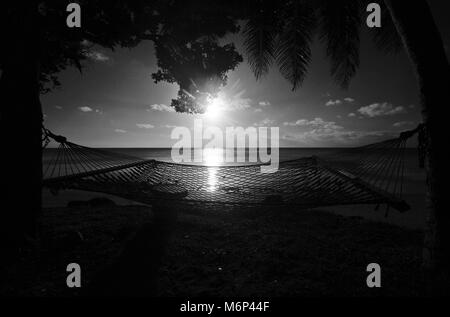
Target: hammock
371,174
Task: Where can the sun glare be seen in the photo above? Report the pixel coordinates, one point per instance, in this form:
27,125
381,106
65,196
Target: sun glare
214,108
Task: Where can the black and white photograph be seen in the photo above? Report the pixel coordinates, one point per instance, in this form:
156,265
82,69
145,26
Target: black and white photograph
223,155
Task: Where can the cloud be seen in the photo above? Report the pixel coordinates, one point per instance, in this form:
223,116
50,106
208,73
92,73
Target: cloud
296,123
333,102
264,103
320,137
235,103
161,107
169,126
85,109
145,125
318,132
317,123
403,124
97,56
89,109
264,123
380,109
258,110
351,114
336,102
120,131
58,107
240,104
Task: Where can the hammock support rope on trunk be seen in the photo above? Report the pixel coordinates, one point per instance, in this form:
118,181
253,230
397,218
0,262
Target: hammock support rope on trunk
371,174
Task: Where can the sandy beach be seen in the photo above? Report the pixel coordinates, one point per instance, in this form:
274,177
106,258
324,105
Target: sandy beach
220,250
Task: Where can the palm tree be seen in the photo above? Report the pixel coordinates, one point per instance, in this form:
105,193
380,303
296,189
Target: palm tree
423,44
286,41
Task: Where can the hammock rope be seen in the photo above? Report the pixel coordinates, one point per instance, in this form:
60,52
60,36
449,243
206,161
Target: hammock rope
371,174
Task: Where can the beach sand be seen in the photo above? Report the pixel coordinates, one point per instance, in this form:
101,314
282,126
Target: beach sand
220,250
414,195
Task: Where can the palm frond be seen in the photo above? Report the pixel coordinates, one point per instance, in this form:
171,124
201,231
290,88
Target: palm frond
293,52
340,27
386,38
260,32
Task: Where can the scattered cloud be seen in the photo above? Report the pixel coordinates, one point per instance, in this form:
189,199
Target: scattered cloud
85,109
161,107
327,133
403,124
58,107
264,123
296,123
97,56
264,103
339,116
333,102
336,137
258,110
349,99
319,131
380,109
317,123
238,104
120,131
169,126
352,114
145,125
89,109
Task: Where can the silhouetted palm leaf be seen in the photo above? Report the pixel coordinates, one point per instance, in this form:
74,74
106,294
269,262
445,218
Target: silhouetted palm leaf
284,32
340,24
386,38
293,52
260,33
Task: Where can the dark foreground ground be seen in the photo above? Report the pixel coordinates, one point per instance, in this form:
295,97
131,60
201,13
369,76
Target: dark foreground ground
226,251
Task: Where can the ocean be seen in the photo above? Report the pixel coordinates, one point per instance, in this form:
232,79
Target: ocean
165,154
217,156
241,156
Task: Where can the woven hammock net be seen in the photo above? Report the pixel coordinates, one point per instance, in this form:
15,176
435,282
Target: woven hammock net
371,174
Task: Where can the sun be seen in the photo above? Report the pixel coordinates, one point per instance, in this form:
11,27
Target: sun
214,108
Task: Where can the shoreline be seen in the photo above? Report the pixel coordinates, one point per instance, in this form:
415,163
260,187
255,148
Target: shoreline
412,219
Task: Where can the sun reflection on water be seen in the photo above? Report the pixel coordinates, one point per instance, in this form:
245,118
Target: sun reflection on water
212,179
212,157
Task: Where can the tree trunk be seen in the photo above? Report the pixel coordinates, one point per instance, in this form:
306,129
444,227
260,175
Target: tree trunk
20,121
424,45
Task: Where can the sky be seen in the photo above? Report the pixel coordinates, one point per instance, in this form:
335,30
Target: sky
115,103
